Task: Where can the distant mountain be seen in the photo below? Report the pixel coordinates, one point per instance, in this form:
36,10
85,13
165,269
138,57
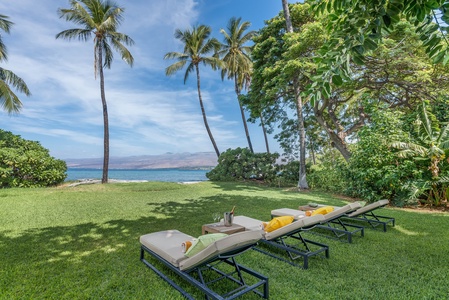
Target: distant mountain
167,160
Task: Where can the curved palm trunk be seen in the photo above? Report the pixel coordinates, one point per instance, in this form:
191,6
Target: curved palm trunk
302,183
104,178
242,112
203,111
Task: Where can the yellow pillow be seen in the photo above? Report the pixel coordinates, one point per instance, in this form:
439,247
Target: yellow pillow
277,223
202,242
322,210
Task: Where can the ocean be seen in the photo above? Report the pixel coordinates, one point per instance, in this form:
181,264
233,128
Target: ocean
168,175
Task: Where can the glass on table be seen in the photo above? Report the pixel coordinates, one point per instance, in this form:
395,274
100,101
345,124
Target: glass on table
216,216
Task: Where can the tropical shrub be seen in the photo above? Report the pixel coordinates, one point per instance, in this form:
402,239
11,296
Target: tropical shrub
374,170
241,164
328,174
26,163
429,148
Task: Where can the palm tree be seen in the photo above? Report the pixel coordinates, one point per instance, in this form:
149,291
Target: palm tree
302,183
99,19
238,64
196,46
8,99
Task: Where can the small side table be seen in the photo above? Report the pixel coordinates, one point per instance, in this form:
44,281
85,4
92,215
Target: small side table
220,228
308,207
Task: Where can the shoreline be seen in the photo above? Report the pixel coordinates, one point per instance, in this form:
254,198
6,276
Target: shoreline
97,181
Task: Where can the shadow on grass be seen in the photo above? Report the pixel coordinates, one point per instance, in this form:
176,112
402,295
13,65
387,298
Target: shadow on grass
86,261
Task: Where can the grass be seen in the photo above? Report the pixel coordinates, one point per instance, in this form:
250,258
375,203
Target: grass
83,243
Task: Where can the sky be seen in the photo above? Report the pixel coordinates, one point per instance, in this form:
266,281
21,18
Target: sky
149,112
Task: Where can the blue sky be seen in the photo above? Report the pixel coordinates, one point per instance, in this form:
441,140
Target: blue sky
149,113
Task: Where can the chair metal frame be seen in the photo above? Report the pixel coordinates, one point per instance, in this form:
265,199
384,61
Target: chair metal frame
236,276
302,248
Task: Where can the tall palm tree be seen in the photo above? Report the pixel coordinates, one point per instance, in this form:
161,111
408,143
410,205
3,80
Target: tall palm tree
238,64
8,99
196,47
99,19
302,183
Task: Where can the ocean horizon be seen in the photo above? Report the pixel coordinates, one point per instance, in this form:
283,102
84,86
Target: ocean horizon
167,175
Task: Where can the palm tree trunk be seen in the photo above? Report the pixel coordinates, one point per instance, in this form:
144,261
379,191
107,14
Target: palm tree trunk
104,178
203,111
245,125
302,183
264,132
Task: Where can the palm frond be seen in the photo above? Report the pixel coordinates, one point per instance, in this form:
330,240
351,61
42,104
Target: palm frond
190,69
176,55
12,79
100,19
124,52
108,55
8,100
77,33
170,70
5,25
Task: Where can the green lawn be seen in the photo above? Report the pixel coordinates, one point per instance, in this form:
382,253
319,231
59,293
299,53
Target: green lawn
83,243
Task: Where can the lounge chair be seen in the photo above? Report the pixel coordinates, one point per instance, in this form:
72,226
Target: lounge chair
332,221
282,239
367,214
363,214
165,247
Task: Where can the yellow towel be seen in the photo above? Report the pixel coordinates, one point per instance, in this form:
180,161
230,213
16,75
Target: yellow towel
322,210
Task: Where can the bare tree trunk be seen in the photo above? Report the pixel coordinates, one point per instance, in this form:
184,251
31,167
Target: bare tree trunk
302,183
104,178
288,21
338,140
203,111
312,152
242,112
264,132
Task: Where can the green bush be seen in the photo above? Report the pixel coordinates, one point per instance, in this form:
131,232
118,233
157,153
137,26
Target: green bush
27,164
240,164
329,173
374,170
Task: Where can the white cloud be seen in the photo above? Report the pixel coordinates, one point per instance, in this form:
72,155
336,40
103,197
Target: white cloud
149,113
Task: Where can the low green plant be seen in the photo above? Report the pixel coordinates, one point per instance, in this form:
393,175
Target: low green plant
26,163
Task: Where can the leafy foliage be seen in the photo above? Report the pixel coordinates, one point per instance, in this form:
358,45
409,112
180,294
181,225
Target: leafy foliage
27,164
374,171
241,164
429,147
329,173
356,28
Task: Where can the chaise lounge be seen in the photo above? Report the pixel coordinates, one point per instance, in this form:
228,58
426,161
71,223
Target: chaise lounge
165,247
332,221
286,243
367,214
